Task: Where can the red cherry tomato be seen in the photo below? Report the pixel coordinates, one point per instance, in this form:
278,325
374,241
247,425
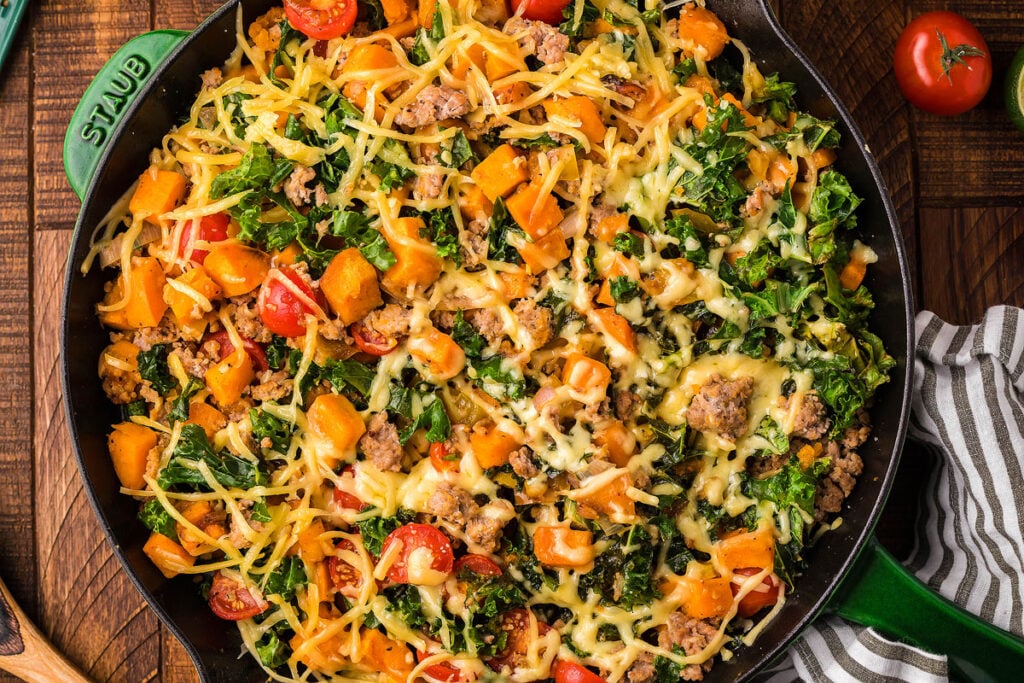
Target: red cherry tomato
441,457
549,11
515,622
322,19
942,63
212,228
443,672
477,564
282,312
345,578
256,353
371,341
418,537
571,672
231,600
344,499
765,595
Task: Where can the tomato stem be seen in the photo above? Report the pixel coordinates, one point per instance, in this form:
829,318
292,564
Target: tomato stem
951,56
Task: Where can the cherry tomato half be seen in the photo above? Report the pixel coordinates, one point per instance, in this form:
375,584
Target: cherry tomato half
442,457
231,600
371,341
345,578
516,623
942,63
344,499
571,672
443,672
549,11
256,353
282,312
765,595
212,228
322,19
422,544
480,565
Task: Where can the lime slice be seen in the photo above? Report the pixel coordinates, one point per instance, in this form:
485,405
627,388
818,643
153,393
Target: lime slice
1015,90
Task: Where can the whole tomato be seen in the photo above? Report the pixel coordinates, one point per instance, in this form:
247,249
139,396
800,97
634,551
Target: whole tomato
942,63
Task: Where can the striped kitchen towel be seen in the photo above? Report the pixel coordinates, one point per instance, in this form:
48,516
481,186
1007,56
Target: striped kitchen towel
968,410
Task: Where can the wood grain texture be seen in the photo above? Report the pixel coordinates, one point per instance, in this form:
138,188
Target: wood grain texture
71,42
17,538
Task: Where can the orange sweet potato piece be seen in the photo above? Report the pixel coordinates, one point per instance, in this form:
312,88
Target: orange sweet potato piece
333,418
417,264
562,547
236,268
584,374
207,417
474,204
582,109
229,378
853,272
350,286
704,598
616,327
703,30
501,172
386,656
395,10
198,513
610,226
545,253
441,355
474,55
515,284
617,440
492,445
611,500
129,446
747,549
157,193
146,305
366,57
168,556
185,308
535,213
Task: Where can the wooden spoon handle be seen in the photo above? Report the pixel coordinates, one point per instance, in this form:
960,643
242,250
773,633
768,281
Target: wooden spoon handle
25,652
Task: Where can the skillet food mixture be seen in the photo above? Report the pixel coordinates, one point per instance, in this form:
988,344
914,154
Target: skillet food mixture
456,344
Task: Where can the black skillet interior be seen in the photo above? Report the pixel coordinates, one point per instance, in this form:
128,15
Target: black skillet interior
215,645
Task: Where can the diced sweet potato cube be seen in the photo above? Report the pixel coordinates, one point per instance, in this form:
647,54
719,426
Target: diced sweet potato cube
747,549
145,306
537,214
157,193
350,286
441,355
229,378
616,327
492,445
545,253
417,264
702,30
168,556
562,547
501,172
207,417
129,446
185,308
474,204
584,374
617,440
237,268
582,109
333,418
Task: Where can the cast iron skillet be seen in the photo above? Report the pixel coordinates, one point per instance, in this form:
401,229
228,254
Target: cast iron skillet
148,86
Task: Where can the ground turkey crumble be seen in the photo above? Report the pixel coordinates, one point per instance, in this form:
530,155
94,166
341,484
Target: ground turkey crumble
721,406
381,443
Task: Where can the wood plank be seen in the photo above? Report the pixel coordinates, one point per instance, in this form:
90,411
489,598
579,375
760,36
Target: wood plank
71,42
88,606
17,539
973,261
977,158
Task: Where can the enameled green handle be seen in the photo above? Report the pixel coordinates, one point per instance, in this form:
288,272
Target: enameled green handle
881,593
106,100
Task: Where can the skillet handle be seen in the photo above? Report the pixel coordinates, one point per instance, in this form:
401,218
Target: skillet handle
107,98
880,592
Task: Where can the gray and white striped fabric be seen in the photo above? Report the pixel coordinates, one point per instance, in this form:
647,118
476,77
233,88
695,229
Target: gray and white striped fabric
968,410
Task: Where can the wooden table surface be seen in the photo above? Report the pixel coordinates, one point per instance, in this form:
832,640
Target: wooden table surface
957,183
